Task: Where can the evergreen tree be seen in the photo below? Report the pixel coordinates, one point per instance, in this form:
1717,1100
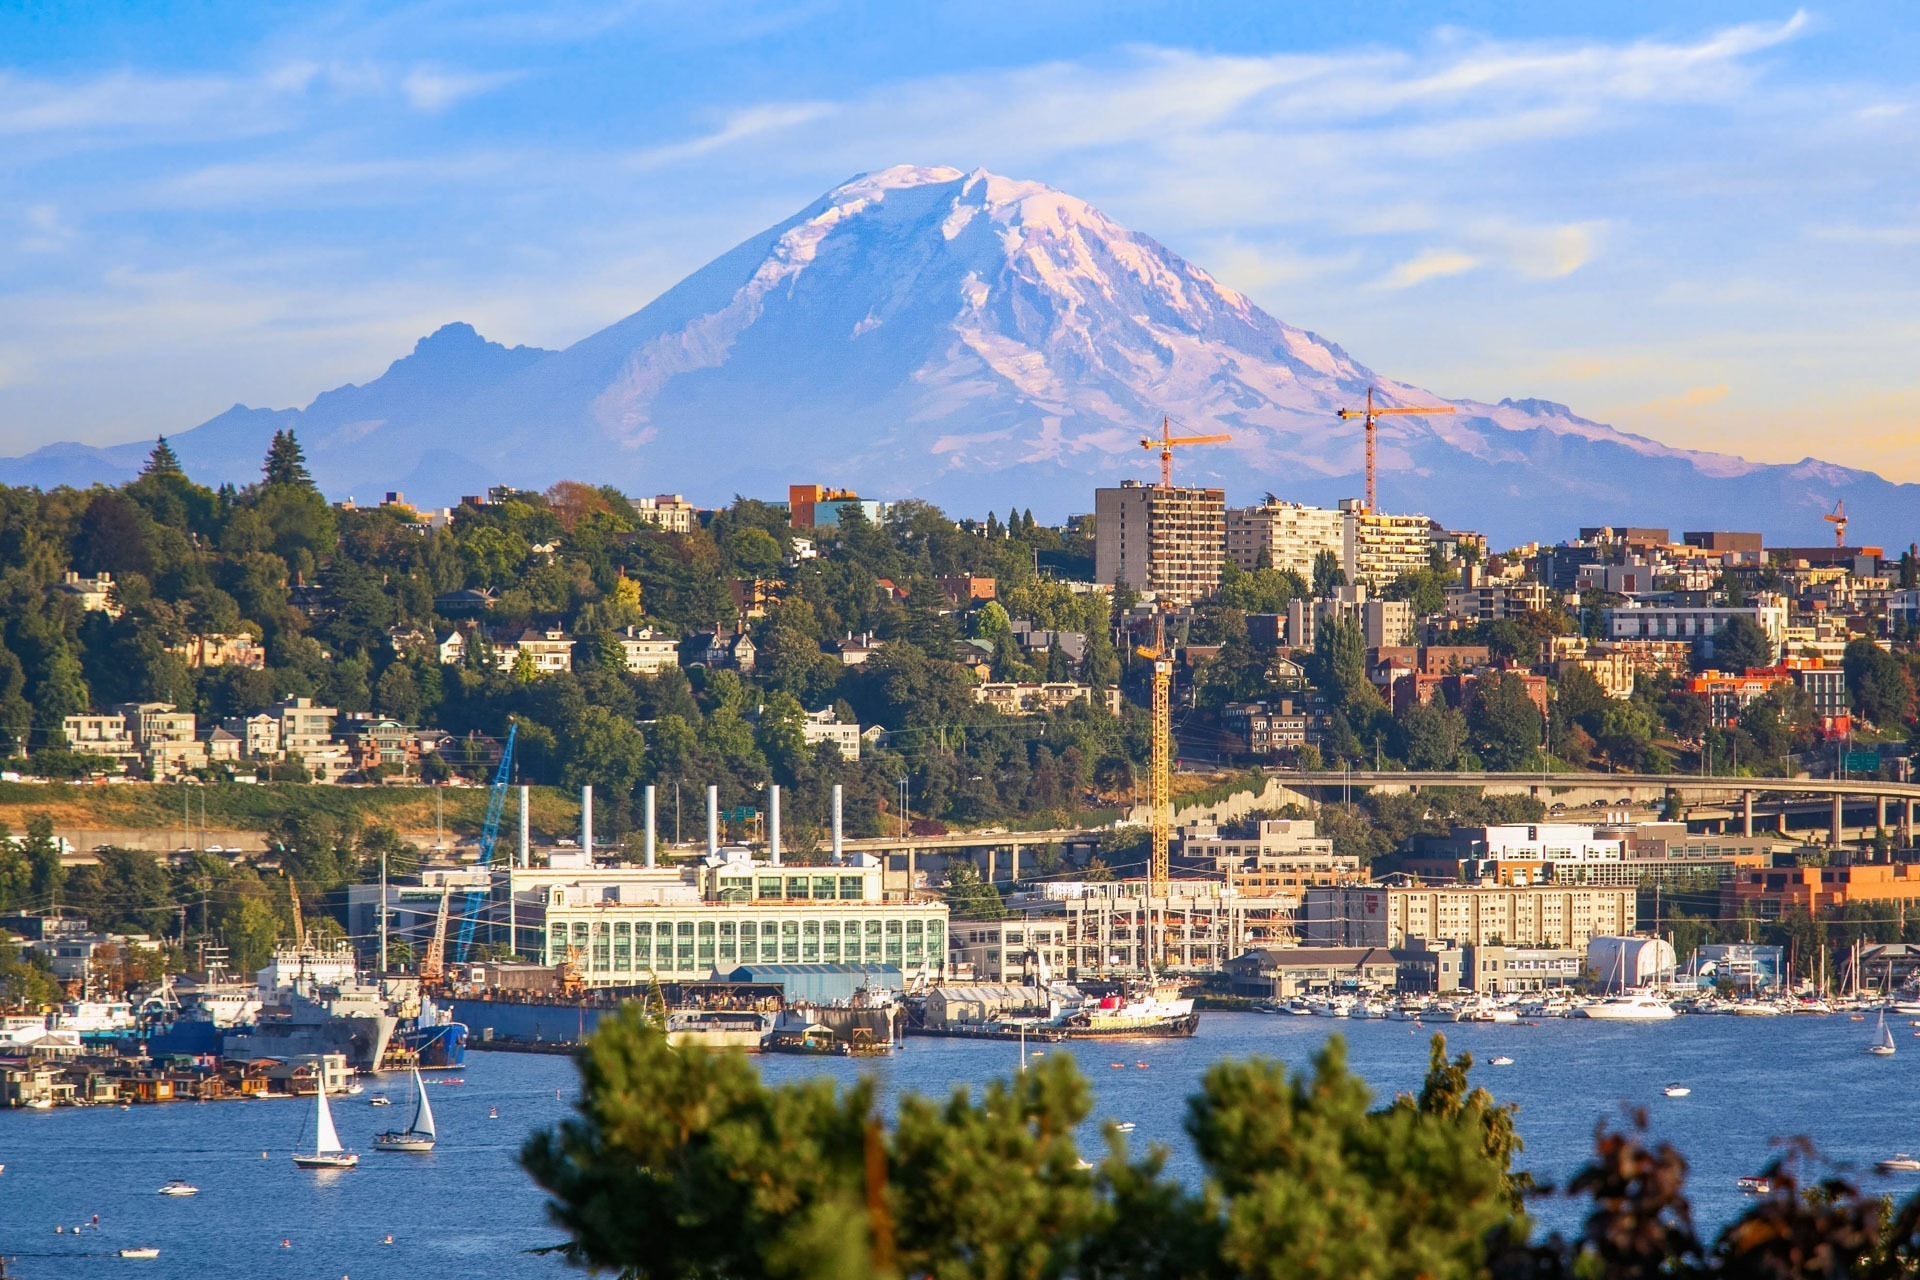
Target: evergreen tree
162,461
286,464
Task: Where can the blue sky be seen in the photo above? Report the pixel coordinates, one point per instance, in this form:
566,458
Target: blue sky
1696,221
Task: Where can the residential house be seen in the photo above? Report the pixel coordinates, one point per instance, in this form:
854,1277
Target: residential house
450,648
721,648
668,512
94,595
214,650
825,726
550,651
304,727
376,742
1015,698
854,650
647,651
102,735
259,735
965,589
222,745
1273,726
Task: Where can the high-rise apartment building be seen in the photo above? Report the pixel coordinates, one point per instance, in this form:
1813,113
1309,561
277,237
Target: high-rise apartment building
1288,534
1167,541
1376,548
1371,547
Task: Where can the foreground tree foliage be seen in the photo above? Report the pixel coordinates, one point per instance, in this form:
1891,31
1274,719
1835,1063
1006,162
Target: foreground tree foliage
683,1164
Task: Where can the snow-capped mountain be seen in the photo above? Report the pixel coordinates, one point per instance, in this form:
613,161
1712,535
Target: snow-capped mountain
978,341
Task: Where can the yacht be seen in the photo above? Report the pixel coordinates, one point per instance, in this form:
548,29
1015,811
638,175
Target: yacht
327,1152
146,1251
1628,1006
1676,1091
419,1135
179,1188
1900,1163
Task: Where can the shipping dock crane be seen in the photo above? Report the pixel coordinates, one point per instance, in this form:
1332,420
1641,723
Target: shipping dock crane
1370,413
496,802
1160,761
433,966
1838,519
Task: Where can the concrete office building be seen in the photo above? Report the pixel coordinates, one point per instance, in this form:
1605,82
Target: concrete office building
1550,915
1289,535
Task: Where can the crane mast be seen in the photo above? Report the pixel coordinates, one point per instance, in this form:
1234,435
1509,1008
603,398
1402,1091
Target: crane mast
1168,442
496,802
1371,413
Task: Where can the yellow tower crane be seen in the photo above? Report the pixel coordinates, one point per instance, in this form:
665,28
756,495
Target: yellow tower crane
433,965
1169,441
1160,764
1838,519
1370,413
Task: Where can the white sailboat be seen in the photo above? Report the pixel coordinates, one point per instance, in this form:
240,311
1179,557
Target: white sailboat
1882,1039
419,1134
327,1152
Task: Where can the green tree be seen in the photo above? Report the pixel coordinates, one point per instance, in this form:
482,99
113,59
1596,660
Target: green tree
1327,574
45,872
286,463
968,893
162,461
1741,645
1506,724
1877,683
682,1164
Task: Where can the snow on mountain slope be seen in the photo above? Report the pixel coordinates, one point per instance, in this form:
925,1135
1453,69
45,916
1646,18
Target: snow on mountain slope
977,340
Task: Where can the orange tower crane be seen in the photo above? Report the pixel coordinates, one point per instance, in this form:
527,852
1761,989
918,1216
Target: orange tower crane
1371,413
1167,443
1838,519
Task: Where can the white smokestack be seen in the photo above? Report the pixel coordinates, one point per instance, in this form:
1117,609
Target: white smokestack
649,836
526,806
773,823
586,819
837,851
713,820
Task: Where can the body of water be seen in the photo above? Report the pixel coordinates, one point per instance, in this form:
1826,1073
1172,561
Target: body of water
467,1205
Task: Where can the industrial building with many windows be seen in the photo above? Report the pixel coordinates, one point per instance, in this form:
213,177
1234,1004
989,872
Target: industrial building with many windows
1549,915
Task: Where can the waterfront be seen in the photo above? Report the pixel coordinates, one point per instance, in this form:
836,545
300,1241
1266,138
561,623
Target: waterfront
467,1204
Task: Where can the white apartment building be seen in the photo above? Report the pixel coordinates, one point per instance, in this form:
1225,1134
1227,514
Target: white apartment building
549,651
1548,915
646,651
1291,536
1697,623
304,727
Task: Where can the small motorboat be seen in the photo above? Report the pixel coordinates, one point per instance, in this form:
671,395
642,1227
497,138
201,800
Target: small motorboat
1754,1185
1899,1163
379,1100
179,1188
1676,1091
1123,1126
1502,1061
140,1251
354,1089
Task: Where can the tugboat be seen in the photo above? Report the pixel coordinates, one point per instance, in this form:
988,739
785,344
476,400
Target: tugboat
1153,1011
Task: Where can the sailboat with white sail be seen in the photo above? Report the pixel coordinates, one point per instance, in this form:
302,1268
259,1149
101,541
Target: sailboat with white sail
327,1152
1882,1039
419,1134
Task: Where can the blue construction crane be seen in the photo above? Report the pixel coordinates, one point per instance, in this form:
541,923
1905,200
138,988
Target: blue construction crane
496,802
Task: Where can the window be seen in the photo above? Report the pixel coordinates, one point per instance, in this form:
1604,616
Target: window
643,945
769,942
873,942
683,945
727,952
810,942
623,946
770,888
823,888
893,942
705,954
851,889
830,941
796,887
601,959
790,941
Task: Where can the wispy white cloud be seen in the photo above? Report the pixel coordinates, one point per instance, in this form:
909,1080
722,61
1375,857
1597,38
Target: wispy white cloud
432,89
752,124
1433,265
